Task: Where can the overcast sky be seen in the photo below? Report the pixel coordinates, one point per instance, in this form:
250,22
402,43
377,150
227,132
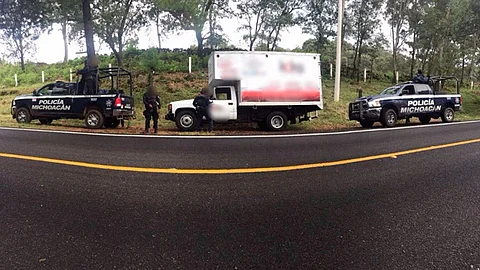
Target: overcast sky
50,46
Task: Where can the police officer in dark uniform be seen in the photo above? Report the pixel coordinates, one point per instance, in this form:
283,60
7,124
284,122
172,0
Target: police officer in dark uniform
420,78
89,76
202,105
151,100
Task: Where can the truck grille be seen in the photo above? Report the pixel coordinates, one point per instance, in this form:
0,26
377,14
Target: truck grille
356,106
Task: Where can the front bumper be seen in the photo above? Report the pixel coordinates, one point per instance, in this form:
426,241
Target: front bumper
358,112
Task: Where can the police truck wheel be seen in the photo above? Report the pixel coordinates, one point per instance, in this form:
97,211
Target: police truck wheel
448,115
111,123
367,124
46,121
277,121
389,118
23,116
425,119
186,120
94,119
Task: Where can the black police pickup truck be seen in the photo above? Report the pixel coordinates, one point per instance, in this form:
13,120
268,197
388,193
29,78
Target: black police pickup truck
104,108
408,100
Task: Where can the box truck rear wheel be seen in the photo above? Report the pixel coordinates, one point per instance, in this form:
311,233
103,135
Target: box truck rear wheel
277,121
186,120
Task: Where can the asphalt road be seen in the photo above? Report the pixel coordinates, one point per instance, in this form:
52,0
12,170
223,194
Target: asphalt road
418,211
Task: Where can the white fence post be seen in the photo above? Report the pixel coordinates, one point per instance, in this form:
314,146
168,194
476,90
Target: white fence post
16,80
109,65
365,75
331,71
189,64
397,77
43,76
71,75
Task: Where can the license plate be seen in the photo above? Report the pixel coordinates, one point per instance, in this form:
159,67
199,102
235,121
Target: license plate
128,106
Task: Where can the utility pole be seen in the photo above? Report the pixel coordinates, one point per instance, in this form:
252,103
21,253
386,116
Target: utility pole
338,72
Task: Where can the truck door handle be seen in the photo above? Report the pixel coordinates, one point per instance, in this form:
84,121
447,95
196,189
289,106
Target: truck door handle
230,103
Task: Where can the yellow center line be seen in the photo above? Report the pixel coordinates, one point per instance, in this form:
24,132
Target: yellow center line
237,170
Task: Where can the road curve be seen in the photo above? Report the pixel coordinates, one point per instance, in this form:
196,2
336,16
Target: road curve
415,211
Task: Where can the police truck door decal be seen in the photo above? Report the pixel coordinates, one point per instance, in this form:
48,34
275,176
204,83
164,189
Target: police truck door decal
420,106
51,105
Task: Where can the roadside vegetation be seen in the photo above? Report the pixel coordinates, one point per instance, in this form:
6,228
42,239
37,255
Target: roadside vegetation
174,86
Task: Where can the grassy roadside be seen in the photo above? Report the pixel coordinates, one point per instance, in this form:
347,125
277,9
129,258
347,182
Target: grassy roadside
180,86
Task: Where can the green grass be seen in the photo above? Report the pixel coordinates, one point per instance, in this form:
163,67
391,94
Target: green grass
179,86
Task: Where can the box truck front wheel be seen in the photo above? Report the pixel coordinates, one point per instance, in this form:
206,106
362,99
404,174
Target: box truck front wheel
277,121
186,120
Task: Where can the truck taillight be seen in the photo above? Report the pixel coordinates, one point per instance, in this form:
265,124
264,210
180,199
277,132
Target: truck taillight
461,100
118,102
169,107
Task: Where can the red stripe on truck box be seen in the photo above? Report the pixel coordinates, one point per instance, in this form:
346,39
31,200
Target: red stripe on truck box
290,95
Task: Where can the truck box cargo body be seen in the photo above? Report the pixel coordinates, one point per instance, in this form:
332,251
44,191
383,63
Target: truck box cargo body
269,78
270,88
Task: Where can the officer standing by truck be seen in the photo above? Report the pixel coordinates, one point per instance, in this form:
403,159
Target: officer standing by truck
151,100
202,105
89,76
420,78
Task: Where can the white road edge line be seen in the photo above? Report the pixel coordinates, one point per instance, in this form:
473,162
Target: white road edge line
240,136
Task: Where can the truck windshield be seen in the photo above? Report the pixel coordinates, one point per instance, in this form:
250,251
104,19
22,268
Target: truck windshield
390,91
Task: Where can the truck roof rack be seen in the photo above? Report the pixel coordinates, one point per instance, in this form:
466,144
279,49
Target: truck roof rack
114,72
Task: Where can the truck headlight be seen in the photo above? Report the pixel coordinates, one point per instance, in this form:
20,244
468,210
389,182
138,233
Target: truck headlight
374,104
13,102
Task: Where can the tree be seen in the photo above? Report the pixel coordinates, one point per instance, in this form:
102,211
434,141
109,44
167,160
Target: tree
150,62
364,24
218,10
374,48
188,15
156,14
319,20
66,13
21,22
254,12
396,11
280,15
88,27
116,23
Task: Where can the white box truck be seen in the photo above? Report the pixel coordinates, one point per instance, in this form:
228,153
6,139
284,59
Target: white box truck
269,88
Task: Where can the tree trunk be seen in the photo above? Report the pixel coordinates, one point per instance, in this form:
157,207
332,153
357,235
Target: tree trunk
354,70
150,78
211,25
198,34
394,54
22,54
251,44
414,51
88,28
472,65
463,69
371,70
159,37
65,39
359,60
